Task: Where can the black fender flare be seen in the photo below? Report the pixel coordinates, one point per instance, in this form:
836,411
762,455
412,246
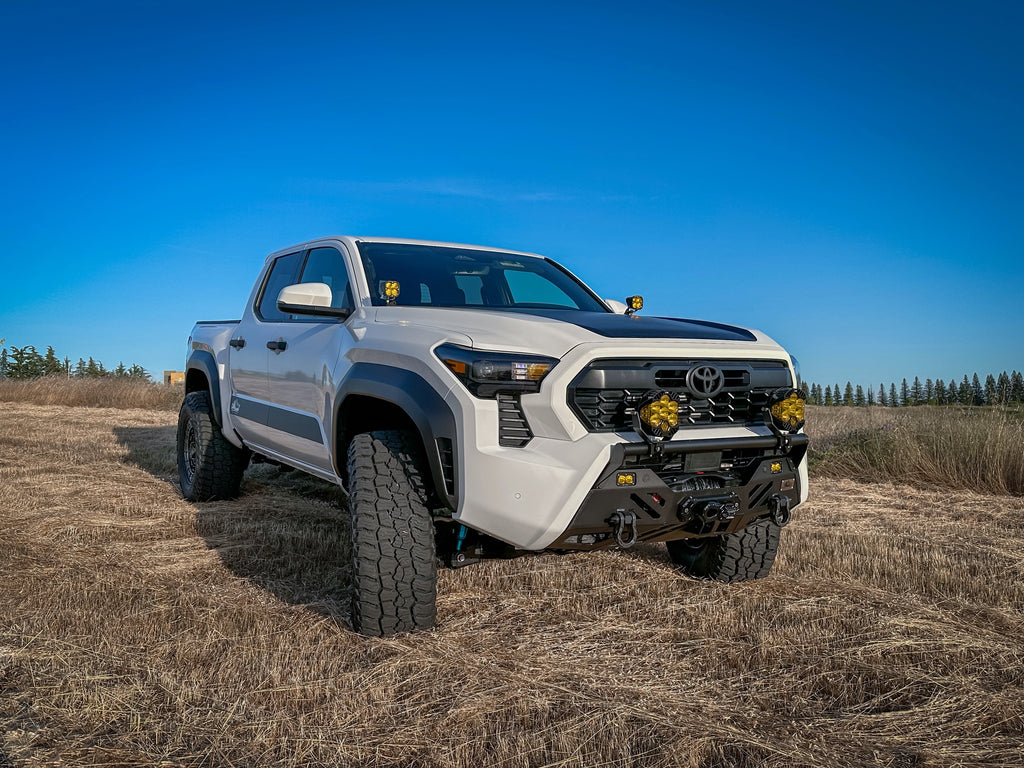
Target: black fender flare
421,402
201,360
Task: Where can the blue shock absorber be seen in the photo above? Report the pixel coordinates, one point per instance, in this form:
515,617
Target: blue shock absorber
463,530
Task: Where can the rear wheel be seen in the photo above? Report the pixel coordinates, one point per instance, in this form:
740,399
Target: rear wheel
394,569
209,467
741,556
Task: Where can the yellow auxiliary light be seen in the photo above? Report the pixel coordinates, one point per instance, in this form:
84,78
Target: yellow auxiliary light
634,304
389,290
657,417
787,409
625,478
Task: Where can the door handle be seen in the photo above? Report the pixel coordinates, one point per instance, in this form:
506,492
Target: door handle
237,343
277,346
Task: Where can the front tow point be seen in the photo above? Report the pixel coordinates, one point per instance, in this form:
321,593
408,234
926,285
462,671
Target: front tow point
781,513
620,521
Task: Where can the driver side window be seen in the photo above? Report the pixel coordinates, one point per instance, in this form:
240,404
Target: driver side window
326,265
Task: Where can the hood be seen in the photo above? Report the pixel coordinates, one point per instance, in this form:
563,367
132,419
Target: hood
555,332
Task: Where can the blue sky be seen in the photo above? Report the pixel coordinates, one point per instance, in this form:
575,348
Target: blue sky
846,177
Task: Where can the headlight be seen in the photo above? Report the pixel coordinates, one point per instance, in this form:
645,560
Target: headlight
487,373
786,408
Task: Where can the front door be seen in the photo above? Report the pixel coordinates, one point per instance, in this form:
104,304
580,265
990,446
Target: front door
301,365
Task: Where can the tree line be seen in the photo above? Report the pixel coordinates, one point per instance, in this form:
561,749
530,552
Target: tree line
1004,389
28,363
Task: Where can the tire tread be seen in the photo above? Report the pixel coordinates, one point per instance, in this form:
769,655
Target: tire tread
394,567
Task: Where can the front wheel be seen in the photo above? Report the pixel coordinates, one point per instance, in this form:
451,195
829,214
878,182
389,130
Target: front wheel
209,467
741,556
394,570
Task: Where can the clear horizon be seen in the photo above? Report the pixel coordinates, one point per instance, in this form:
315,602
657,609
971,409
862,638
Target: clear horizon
844,177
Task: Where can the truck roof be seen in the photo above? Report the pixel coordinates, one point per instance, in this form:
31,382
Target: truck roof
352,240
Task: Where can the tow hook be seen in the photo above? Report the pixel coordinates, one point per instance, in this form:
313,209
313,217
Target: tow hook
620,521
781,513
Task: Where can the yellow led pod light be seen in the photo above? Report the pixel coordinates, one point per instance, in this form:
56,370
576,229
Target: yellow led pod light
786,409
656,417
390,290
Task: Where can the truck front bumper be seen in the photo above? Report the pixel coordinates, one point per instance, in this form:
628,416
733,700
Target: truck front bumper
558,494
681,490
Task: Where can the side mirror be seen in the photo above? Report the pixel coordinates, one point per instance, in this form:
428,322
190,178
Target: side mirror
616,306
309,299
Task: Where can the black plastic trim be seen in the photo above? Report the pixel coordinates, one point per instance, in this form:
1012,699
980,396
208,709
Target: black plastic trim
420,402
299,424
201,360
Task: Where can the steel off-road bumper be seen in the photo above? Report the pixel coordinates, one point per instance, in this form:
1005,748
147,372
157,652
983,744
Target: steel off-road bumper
687,489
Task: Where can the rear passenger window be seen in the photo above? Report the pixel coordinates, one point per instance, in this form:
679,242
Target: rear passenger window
282,274
326,265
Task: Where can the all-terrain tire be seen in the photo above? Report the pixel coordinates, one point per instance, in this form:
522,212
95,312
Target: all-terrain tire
394,570
741,556
209,467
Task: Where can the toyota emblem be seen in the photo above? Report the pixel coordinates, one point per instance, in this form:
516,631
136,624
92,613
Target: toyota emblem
705,381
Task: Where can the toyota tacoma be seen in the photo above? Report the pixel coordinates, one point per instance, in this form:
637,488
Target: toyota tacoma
475,400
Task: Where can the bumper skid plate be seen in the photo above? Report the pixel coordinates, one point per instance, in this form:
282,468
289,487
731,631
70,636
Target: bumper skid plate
687,489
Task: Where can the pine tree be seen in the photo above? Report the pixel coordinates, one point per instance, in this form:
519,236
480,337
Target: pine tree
905,394
138,372
828,394
3,362
1017,387
837,399
67,366
964,395
882,397
929,392
990,390
51,364
1003,388
91,369
120,371
80,369
940,392
916,392
848,394
871,396
951,393
894,401
858,398
24,363
977,391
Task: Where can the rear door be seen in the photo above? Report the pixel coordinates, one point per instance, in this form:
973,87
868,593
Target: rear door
250,389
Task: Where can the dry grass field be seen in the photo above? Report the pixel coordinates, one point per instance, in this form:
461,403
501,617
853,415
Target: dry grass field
139,630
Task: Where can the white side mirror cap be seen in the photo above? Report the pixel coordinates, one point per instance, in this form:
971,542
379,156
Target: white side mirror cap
306,295
616,306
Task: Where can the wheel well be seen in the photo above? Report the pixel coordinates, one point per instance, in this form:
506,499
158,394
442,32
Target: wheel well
195,381
362,413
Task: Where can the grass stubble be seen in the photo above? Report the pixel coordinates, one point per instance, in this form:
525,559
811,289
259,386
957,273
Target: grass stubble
139,630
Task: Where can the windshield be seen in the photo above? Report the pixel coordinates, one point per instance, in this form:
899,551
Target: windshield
439,276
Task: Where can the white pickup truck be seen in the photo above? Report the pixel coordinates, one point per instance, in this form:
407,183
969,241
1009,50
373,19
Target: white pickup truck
474,399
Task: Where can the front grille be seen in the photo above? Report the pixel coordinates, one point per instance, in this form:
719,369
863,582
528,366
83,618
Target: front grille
605,394
513,429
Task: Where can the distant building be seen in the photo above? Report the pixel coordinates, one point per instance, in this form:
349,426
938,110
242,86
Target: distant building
176,378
